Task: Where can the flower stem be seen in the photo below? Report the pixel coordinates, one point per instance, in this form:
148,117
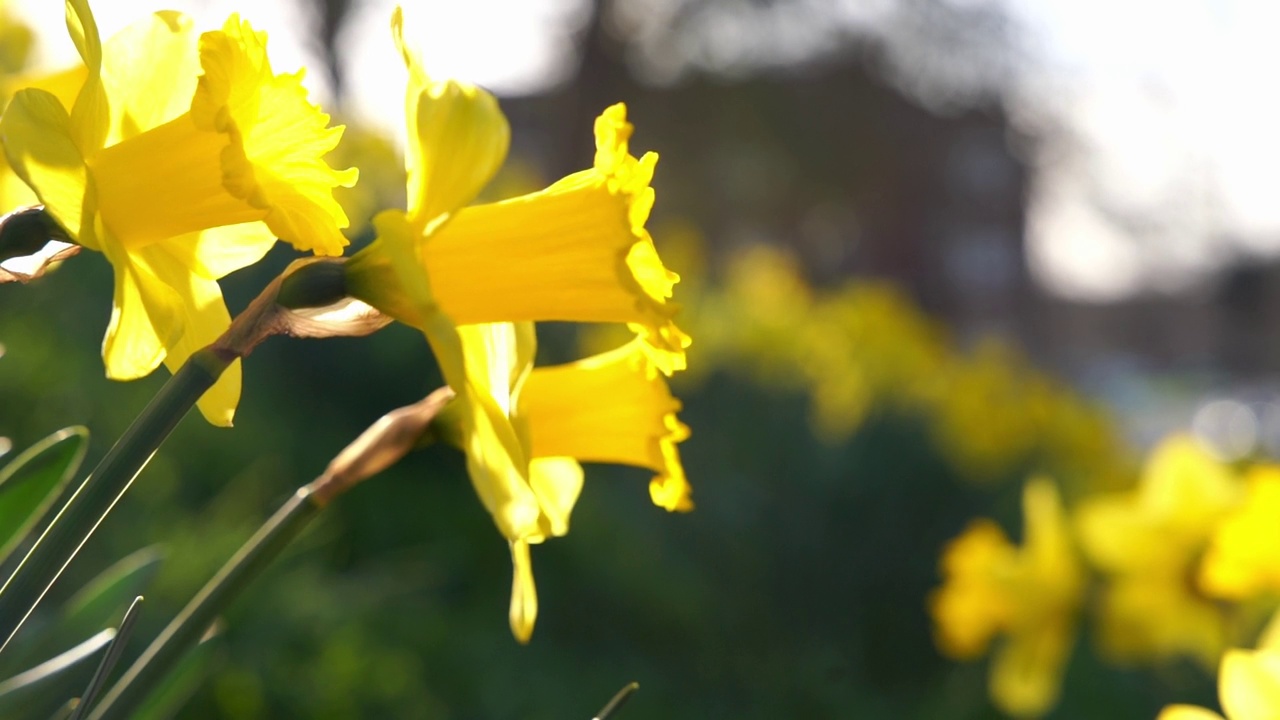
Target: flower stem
390,438
76,520
186,629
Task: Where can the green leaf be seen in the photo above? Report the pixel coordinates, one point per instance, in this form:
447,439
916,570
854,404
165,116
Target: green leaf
192,671
99,604
103,601
39,692
31,482
65,711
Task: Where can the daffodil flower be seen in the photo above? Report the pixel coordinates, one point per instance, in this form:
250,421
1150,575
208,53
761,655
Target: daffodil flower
577,251
1243,559
1031,595
474,278
181,159
1146,542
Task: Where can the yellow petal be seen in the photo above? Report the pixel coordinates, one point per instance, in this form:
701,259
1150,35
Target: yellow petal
91,115
204,318
557,481
1026,673
613,408
1048,546
1186,486
149,70
1243,558
477,366
1250,685
37,139
143,308
1187,712
217,252
1116,536
974,602
458,138
524,596
497,465
1158,616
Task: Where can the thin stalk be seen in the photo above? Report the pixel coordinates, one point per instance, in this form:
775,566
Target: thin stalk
186,629
280,309
80,516
387,440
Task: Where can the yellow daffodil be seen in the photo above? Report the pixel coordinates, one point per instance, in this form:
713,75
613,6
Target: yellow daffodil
577,251
1146,541
181,159
1243,559
1029,594
473,278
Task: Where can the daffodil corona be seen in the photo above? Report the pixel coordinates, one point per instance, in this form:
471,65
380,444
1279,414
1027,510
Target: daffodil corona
182,158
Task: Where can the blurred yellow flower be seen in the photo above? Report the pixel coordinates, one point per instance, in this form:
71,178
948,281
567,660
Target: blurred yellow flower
1243,559
1146,541
181,159
1030,594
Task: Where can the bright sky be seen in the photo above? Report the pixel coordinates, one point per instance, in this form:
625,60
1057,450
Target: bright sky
508,46
1163,111
1172,109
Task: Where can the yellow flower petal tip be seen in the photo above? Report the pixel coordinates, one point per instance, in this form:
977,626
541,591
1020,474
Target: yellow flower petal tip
524,596
458,138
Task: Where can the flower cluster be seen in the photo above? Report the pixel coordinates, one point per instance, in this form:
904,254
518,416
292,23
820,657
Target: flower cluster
863,347
1183,565
183,156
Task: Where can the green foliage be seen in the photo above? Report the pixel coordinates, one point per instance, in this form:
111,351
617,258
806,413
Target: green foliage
37,693
32,481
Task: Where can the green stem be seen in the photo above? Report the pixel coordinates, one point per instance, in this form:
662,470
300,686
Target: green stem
68,530
185,631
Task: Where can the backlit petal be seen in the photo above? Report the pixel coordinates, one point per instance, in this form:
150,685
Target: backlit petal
458,138
1250,685
557,481
1187,712
149,70
37,139
204,317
